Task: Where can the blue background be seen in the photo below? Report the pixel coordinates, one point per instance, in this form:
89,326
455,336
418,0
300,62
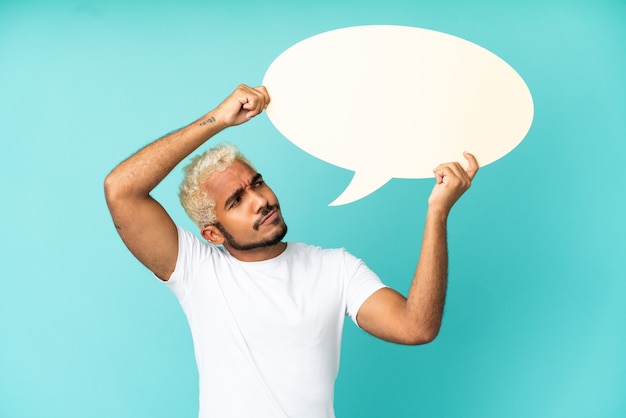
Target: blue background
535,317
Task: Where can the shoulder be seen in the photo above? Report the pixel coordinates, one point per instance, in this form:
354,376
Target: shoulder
188,239
194,257
192,249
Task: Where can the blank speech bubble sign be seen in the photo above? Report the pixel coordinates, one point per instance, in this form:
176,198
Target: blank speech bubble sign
395,101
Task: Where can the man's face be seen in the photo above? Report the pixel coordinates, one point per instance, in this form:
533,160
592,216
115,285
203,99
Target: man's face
247,210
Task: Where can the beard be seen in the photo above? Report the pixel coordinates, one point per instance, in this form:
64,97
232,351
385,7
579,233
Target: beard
269,241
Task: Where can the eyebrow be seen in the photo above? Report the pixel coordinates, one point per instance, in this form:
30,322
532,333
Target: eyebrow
240,190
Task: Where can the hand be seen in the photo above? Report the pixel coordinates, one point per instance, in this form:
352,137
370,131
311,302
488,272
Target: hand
452,181
242,105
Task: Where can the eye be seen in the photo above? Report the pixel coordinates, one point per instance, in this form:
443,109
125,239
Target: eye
235,202
258,183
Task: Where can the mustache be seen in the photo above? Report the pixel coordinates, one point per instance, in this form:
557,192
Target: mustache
263,213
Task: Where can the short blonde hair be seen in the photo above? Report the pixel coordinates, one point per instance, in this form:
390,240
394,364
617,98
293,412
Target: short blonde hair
196,201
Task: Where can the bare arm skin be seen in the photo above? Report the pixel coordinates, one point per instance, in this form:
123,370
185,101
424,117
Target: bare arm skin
143,224
417,319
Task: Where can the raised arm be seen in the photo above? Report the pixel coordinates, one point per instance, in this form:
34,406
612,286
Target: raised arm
417,319
143,224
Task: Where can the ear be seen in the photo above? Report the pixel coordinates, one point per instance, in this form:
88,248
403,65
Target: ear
212,234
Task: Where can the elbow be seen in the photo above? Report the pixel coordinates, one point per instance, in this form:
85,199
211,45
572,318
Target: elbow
429,336
113,188
421,336
110,187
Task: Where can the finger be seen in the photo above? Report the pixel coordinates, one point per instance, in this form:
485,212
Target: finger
252,103
256,105
451,169
263,91
258,99
438,174
246,94
441,173
254,109
472,169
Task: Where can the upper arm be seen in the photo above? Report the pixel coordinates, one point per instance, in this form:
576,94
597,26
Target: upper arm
147,230
384,315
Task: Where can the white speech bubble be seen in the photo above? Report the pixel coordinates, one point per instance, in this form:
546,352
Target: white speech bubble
395,101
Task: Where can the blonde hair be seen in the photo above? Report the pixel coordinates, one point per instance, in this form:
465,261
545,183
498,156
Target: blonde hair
196,201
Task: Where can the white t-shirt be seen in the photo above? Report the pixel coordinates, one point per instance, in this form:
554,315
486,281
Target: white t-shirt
267,334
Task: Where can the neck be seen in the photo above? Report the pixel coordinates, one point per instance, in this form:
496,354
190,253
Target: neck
257,254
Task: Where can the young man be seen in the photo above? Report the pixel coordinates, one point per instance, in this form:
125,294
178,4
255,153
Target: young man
266,316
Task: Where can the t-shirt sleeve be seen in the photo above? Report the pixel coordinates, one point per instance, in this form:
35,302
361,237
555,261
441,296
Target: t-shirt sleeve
360,285
191,252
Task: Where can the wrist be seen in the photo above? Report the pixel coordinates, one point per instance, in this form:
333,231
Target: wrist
212,120
437,213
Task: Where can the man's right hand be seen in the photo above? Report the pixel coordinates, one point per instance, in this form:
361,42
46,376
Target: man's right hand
242,105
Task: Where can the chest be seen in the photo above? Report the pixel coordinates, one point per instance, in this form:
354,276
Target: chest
297,306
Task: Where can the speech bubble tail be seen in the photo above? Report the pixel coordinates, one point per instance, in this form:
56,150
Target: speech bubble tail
360,186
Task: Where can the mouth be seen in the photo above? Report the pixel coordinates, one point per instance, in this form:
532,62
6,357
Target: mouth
270,217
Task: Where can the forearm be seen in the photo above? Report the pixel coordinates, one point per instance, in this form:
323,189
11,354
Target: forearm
140,173
427,294
417,319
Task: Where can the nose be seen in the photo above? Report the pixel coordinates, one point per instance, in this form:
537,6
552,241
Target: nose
259,200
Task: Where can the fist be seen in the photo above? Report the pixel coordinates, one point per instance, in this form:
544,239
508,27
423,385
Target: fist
242,105
452,181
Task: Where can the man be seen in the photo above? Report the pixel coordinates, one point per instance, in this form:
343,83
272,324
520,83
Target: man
266,316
